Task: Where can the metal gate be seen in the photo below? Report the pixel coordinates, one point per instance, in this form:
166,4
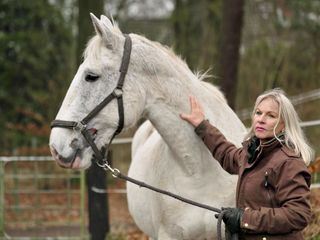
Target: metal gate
40,200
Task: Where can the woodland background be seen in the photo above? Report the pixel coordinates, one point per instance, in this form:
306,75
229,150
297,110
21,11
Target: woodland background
248,45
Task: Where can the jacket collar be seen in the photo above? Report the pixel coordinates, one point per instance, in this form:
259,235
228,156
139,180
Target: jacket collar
255,148
254,140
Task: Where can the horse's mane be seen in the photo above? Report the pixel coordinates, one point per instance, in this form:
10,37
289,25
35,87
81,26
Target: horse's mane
95,44
201,76
169,51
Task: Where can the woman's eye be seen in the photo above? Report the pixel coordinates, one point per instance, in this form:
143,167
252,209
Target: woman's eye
91,77
258,113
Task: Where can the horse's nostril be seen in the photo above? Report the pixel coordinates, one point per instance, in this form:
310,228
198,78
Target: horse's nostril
74,143
93,131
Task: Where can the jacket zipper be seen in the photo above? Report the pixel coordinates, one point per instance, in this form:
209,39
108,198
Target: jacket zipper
267,188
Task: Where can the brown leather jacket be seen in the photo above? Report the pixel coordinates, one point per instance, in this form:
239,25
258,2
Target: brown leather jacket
273,189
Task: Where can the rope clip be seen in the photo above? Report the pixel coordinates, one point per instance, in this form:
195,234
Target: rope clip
114,171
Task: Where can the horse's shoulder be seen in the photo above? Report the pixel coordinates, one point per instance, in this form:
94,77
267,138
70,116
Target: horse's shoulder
141,135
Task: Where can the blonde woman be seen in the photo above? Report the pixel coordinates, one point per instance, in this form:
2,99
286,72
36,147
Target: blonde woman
272,200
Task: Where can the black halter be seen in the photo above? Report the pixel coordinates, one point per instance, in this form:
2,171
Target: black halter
117,93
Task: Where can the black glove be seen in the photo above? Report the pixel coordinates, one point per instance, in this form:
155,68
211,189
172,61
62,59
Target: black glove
232,218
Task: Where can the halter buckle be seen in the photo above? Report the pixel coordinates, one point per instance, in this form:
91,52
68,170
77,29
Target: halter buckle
117,92
80,127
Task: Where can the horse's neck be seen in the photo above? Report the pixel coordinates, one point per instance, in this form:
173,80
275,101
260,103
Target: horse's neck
178,134
169,85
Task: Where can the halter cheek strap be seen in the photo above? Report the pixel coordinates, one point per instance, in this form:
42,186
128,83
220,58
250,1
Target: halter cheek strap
117,93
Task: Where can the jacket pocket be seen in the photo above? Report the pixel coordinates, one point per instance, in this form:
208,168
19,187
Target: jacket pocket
270,186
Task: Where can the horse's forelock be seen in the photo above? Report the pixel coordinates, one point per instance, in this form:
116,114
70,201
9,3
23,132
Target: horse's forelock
115,28
93,48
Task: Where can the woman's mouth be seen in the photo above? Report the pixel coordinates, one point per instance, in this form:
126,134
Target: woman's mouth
259,129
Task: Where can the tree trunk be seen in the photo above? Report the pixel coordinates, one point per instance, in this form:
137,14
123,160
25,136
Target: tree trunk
97,202
95,177
85,28
232,22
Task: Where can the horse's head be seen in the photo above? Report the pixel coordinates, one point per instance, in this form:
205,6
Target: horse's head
96,78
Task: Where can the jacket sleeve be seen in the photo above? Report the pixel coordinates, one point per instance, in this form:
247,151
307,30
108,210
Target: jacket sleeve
226,153
292,193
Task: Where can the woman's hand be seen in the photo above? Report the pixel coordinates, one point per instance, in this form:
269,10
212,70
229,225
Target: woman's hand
197,114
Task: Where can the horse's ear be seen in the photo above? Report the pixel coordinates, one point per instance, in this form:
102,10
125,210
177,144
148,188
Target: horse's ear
103,28
106,21
97,25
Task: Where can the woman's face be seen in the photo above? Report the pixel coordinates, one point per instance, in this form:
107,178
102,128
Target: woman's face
265,119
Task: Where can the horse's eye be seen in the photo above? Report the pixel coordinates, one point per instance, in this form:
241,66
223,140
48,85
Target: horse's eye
91,77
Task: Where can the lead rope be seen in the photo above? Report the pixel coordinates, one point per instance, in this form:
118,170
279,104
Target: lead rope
117,174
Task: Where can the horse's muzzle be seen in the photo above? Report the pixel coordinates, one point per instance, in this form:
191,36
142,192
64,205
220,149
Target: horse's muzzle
72,161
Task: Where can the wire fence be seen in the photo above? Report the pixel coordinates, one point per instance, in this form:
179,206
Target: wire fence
245,114
40,200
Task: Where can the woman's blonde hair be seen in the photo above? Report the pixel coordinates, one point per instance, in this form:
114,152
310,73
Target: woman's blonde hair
294,137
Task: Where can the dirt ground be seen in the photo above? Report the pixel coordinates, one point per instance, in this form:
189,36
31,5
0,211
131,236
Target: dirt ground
123,226
122,222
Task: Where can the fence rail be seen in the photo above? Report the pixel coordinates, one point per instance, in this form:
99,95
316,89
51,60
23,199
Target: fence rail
244,114
10,197
13,173
39,205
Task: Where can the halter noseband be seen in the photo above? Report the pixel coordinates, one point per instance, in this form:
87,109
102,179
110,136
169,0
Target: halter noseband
81,126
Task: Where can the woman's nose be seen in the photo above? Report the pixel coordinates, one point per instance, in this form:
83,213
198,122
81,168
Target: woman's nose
261,118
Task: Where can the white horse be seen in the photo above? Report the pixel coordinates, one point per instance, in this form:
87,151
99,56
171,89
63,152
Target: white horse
166,152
